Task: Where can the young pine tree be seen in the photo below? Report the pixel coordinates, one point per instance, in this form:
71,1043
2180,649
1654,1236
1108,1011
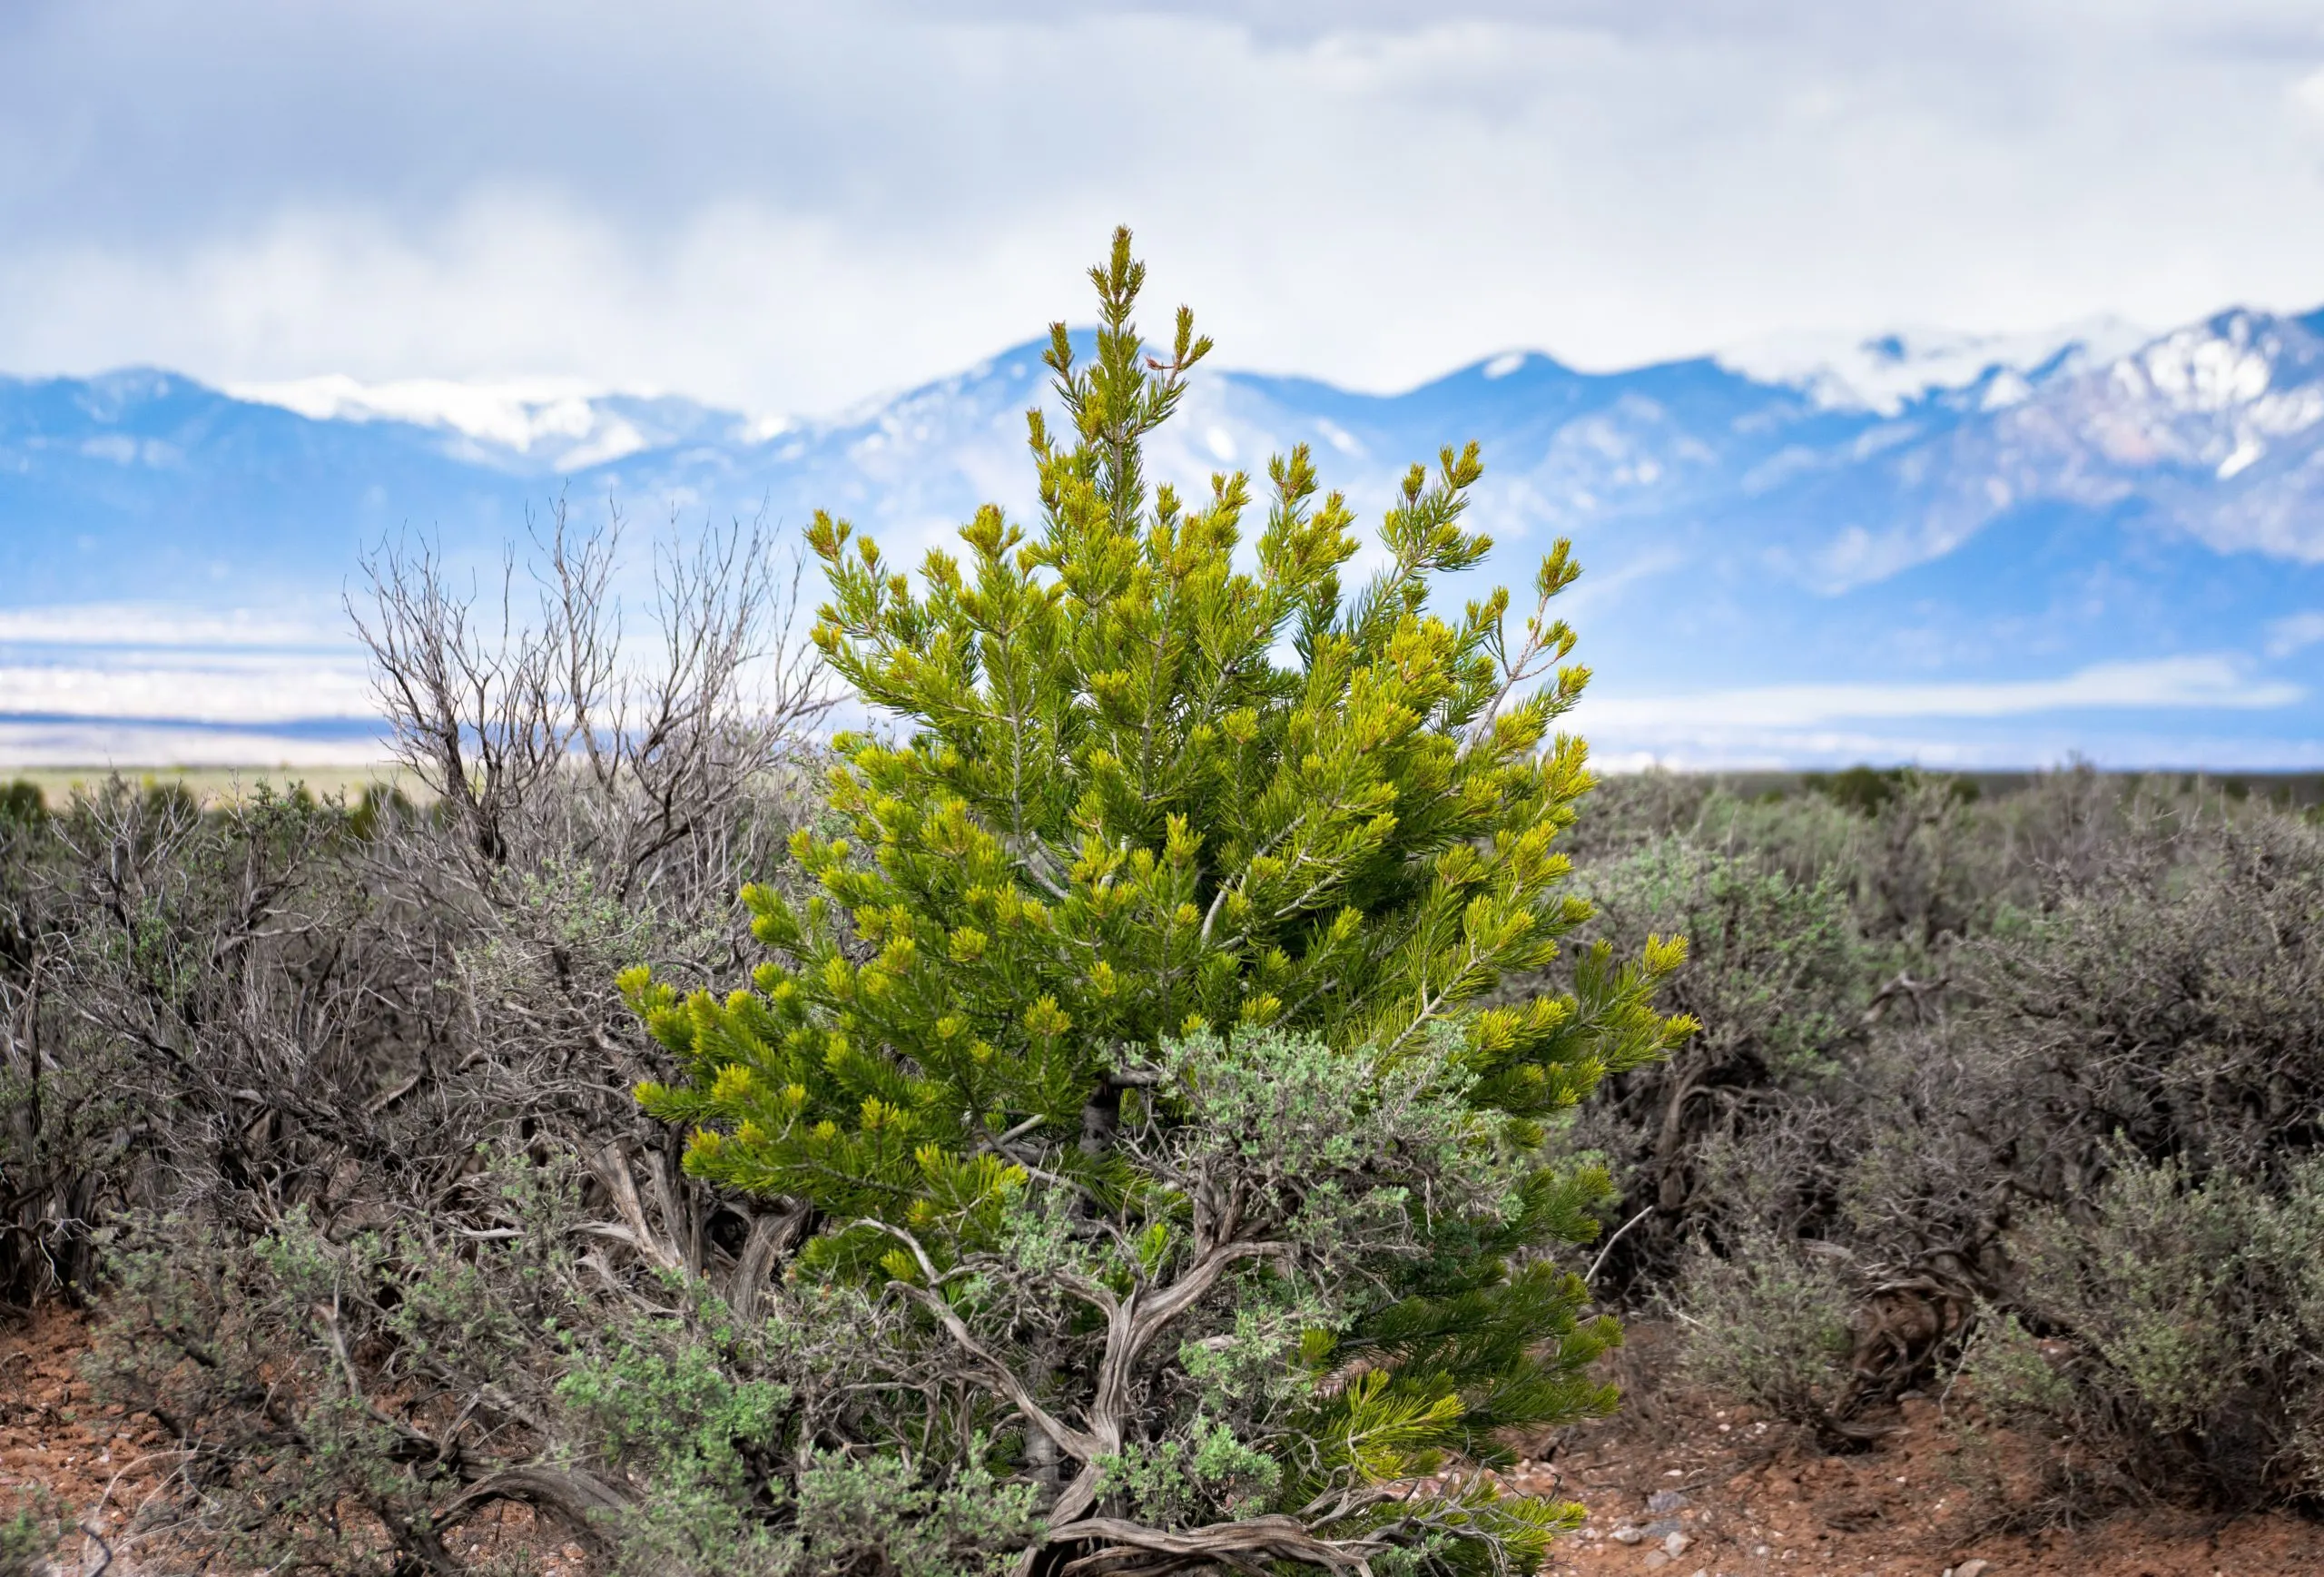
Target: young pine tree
1127,1046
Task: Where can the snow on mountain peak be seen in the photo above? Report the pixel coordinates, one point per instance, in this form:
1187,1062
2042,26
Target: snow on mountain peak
559,414
2215,366
1885,373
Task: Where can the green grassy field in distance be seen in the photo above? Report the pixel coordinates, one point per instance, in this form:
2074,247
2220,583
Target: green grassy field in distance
216,785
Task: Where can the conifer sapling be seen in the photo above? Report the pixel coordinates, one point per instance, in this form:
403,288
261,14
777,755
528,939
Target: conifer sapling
1127,1039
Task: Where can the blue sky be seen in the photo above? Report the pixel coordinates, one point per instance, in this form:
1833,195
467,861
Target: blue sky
788,207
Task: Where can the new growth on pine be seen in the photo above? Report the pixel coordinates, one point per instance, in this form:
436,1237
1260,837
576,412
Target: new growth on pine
1124,1024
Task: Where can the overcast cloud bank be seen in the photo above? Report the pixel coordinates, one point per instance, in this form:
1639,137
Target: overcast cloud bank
785,207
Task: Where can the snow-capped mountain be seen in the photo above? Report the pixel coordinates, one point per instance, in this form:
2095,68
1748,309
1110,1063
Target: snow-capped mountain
1941,546
560,423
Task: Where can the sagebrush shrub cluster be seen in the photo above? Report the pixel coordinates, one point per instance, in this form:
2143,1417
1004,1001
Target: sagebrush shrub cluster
2070,1132
2189,1331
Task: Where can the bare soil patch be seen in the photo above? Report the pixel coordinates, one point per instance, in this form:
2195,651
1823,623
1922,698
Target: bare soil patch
59,1447
1744,1496
113,1474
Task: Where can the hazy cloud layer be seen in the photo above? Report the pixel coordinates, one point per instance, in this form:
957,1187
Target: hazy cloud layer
2211,681
788,206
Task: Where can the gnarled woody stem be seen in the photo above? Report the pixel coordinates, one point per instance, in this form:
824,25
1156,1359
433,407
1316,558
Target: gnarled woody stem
1133,1550
581,1499
1241,1545
1132,1324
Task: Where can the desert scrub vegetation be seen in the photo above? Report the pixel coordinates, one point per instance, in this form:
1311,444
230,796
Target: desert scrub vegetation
2021,1090
1186,1085
323,1105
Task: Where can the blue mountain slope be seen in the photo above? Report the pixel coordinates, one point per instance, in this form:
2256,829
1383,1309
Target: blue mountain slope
142,484
2070,547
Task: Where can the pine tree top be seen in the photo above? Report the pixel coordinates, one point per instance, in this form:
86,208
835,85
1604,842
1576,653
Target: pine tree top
1148,789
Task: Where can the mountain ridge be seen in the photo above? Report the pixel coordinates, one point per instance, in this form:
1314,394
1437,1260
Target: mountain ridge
2068,507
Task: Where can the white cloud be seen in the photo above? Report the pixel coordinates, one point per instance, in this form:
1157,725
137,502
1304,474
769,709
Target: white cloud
148,625
2296,633
216,687
2210,682
783,207
2307,98
1793,750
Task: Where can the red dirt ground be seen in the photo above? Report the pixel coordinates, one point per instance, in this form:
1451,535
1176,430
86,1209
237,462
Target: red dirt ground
113,1471
1929,1499
1755,1499
54,1439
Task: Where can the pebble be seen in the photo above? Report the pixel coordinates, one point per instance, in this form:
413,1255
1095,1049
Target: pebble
1655,1560
1667,1501
1677,1543
1971,1569
1626,1534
